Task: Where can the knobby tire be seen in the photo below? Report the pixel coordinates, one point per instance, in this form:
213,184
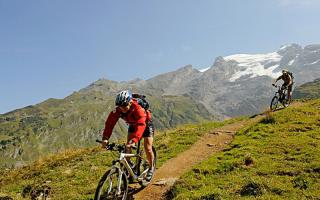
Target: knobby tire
107,186
274,103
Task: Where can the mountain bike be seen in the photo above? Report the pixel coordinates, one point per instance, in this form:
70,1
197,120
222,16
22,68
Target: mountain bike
280,97
114,183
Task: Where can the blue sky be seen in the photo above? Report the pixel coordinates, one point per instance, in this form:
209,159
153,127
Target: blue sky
50,48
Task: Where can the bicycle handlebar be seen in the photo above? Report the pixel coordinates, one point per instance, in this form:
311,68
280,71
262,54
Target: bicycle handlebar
116,147
281,87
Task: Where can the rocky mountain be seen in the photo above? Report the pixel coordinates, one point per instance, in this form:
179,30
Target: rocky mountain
234,85
241,84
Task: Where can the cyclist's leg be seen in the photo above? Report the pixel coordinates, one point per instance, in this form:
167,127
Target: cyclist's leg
148,149
148,141
289,92
150,157
284,88
131,129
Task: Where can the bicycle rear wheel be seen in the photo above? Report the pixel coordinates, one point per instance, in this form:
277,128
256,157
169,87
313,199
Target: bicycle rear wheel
274,103
285,103
108,186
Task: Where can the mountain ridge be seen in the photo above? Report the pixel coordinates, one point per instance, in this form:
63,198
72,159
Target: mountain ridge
185,95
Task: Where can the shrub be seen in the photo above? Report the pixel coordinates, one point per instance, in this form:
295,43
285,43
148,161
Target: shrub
251,189
300,182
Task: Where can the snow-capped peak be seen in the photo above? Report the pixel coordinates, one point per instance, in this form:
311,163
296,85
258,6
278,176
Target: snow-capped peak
285,46
255,65
203,70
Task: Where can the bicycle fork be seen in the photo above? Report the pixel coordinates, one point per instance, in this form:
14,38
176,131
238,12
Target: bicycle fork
119,182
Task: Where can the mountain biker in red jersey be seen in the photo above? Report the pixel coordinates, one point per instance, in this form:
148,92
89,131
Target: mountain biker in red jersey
140,125
287,82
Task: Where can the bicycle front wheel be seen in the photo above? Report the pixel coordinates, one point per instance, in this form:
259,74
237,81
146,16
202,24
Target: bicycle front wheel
274,103
112,185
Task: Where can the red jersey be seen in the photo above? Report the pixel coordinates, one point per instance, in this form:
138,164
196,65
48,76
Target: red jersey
135,116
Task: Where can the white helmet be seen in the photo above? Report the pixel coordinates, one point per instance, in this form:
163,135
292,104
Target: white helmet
123,98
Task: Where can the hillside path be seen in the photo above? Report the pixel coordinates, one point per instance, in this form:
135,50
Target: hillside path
212,142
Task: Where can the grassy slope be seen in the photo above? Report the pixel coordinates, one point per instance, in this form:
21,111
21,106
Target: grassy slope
76,121
75,174
309,90
284,148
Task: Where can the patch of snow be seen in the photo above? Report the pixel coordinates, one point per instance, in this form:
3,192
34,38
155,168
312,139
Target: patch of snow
285,46
291,62
314,51
203,70
315,62
254,65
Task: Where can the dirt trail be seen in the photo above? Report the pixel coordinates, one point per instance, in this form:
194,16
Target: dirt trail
214,141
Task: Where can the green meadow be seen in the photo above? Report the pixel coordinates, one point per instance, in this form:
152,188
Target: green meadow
74,174
276,158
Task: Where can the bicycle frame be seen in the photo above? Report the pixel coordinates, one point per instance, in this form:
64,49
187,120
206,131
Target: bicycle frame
122,160
279,97
115,181
122,164
280,93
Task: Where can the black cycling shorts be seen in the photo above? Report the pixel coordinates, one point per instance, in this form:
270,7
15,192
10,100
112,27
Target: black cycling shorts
288,86
148,132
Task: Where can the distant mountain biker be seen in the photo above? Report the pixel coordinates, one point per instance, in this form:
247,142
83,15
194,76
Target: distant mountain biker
287,81
140,125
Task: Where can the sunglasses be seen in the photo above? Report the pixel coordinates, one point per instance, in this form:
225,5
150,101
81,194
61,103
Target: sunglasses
123,105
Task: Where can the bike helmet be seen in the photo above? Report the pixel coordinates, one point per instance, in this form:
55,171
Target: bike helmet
123,98
285,71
